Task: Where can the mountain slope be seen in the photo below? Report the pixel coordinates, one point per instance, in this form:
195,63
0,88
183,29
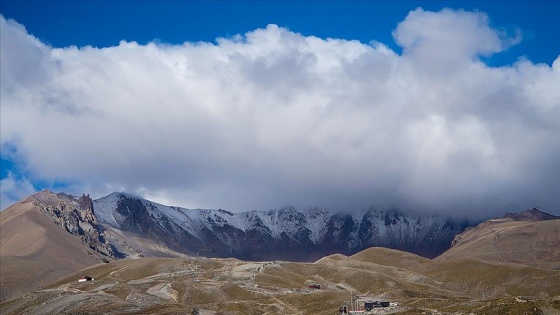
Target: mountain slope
34,251
531,238
231,286
287,233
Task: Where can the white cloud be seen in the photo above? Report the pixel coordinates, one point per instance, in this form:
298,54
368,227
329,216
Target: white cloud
273,118
12,189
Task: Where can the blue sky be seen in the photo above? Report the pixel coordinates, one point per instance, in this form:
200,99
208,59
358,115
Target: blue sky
515,41
105,23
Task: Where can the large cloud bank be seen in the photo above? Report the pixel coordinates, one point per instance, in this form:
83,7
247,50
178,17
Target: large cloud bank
272,118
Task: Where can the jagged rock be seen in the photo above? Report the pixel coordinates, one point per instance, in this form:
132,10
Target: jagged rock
76,216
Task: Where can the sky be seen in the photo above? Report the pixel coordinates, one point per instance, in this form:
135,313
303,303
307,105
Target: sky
444,107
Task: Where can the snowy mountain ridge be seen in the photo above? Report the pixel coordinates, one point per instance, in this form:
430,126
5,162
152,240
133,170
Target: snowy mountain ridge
285,233
286,220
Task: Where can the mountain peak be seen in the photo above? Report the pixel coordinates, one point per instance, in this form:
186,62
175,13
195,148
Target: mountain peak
126,194
531,215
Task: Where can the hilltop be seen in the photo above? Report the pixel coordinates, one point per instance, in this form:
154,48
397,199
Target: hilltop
531,238
35,251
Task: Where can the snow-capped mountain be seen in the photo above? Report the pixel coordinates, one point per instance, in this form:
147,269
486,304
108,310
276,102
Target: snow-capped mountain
286,233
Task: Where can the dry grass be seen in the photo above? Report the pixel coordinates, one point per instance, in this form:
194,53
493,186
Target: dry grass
393,258
475,277
535,244
234,287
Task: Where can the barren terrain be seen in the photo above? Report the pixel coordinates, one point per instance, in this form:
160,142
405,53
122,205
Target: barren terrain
34,251
230,286
530,243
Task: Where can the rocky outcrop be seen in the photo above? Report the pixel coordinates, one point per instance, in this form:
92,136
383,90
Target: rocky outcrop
76,216
531,215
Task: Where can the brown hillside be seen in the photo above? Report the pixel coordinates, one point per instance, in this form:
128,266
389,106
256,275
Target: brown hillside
530,243
496,279
394,258
231,286
34,251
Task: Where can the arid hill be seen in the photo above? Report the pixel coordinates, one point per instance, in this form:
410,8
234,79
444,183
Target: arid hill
34,251
46,236
531,238
231,286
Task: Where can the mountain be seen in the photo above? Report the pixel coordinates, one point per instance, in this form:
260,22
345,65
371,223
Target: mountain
34,251
286,233
46,236
531,238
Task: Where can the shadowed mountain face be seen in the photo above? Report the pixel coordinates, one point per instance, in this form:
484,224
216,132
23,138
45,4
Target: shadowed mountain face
287,233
